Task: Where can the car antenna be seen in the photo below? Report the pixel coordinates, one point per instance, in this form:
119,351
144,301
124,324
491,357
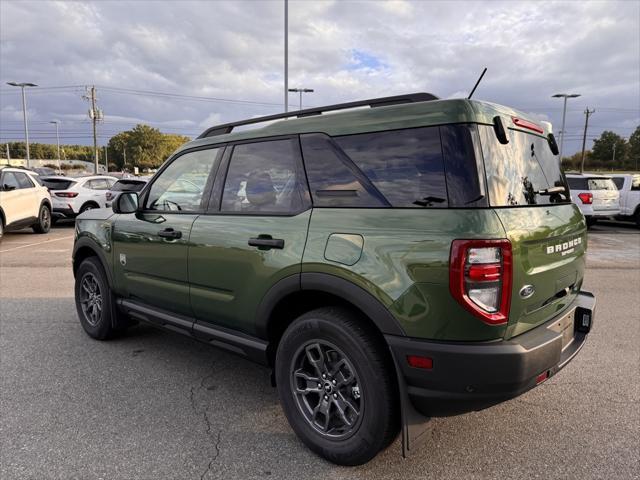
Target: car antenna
477,83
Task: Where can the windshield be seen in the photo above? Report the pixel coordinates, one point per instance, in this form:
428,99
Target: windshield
522,172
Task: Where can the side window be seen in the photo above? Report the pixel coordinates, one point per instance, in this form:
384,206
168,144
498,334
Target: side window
333,179
9,180
181,186
98,184
576,183
23,180
635,182
264,177
405,165
619,181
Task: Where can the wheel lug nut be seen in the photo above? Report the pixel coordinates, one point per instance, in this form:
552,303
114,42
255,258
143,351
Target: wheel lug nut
324,375
319,385
335,395
326,397
334,382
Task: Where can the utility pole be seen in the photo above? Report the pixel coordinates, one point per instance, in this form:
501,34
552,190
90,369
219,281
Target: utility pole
55,122
564,115
95,114
286,55
8,155
587,114
24,114
613,159
106,160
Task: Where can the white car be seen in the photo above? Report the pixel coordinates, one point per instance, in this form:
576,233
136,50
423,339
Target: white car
629,187
73,195
24,202
125,185
596,196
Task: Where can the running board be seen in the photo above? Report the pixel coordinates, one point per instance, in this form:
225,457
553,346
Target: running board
252,348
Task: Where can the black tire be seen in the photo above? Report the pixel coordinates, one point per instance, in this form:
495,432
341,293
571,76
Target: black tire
636,218
373,393
88,206
44,220
591,221
108,322
1,228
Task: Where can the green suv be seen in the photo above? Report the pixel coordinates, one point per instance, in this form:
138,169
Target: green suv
392,260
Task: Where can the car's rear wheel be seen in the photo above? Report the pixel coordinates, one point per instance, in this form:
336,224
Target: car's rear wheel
94,302
1,228
88,206
44,220
337,386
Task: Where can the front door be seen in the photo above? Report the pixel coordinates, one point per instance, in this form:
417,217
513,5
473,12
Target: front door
253,235
150,246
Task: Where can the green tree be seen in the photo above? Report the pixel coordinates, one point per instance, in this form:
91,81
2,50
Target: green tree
602,152
633,151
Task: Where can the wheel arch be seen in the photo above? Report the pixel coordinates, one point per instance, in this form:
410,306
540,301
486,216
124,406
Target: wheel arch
297,294
90,202
85,248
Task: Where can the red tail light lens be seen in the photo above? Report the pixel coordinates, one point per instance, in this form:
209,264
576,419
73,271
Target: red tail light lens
480,278
66,194
109,195
587,198
519,122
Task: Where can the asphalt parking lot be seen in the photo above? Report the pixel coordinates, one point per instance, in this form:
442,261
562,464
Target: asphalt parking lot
156,405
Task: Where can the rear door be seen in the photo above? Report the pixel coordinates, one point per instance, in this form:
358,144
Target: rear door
151,245
548,235
252,236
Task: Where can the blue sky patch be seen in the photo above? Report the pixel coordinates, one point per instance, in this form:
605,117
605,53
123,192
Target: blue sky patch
361,59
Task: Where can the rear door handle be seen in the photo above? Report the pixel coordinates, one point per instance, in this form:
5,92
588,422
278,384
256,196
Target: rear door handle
170,233
265,242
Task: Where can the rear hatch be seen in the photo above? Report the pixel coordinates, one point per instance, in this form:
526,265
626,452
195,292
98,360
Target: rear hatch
605,194
547,232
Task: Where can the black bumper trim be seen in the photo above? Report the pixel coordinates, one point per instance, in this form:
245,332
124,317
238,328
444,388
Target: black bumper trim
473,376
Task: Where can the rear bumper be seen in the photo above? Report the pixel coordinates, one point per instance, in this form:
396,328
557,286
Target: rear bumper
604,213
60,213
473,376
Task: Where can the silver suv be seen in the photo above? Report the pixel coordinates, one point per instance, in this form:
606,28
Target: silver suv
596,196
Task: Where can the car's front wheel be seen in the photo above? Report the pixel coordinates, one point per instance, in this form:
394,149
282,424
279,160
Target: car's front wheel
43,224
94,301
337,386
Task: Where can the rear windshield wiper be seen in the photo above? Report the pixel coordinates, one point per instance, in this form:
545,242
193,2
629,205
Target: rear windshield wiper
429,201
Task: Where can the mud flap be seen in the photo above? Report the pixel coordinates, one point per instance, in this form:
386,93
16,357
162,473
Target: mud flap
414,424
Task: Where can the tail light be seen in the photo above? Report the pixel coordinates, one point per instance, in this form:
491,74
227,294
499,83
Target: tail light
587,198
66,194
109,195
480,278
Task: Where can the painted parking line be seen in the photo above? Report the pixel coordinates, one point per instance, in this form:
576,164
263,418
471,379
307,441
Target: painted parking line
38,243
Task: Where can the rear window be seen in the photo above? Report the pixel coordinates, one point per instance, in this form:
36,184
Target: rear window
406,166
601,184
57,183
128,186
522,172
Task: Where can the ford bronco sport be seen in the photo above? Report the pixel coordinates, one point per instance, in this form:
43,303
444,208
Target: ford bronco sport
409,258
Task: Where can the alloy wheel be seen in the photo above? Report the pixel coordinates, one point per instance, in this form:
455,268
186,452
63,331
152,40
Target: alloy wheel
91,299
327,389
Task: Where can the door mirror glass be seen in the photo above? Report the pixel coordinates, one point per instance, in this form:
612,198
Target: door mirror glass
127,202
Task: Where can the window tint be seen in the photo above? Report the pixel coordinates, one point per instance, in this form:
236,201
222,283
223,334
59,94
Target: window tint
462,157
9,180
263,177
522,172
333,179
601,184
128,186
635,182
405,165
23,180
181,185
57,183
619,181
576,183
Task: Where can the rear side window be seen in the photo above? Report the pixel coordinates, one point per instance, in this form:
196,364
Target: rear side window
128,186
333,179
522,172
601,184
619,181
406,166
635,182
23,180
463,165
577,183
264,177
57,184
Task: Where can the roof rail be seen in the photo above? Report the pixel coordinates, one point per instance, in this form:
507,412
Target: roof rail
373,102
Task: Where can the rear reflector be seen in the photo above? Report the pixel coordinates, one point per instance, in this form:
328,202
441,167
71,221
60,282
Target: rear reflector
417,361
542,377
518,122
587,198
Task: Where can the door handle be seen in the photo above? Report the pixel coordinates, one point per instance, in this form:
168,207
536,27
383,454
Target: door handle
170,233
265,242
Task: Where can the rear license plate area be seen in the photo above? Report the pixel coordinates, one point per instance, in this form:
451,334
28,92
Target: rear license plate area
566,327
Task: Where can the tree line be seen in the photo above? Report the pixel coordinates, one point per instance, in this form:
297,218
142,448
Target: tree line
609,152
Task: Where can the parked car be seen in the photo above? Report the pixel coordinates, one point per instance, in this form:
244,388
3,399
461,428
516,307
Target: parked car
418,258
125,185
23,201
73,195
629,187
44,171
596,196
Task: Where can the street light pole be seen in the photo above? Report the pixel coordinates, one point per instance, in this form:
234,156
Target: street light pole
55,122
301,91
564,115
24,113
286,55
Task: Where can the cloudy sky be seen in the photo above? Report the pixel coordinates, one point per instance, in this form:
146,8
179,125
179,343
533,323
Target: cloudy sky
184,66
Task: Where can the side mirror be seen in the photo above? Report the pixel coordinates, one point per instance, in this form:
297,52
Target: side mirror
8,188
126,202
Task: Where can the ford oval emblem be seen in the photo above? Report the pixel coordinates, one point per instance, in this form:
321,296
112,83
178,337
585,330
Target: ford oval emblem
527,291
